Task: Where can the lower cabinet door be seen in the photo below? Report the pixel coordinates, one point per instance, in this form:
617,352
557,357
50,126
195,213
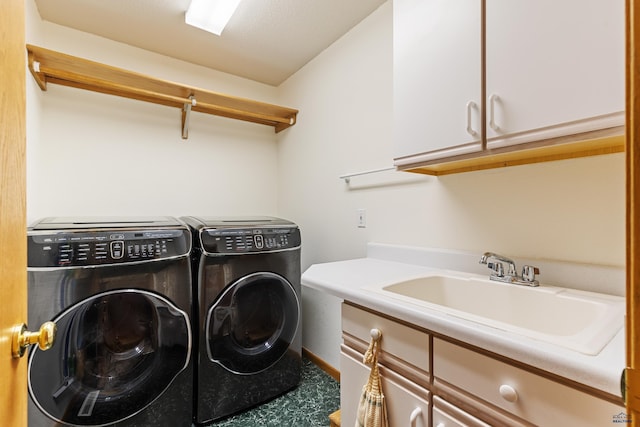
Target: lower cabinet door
407,402
523,394
448,415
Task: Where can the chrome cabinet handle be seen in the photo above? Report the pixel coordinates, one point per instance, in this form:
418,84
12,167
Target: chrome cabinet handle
492,108
470,106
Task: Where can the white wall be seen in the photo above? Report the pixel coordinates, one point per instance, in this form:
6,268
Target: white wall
571,210
95,154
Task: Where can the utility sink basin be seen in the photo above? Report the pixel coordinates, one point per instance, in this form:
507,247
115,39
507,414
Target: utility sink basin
577,320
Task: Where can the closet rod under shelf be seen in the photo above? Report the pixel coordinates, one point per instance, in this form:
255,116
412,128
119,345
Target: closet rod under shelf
347,177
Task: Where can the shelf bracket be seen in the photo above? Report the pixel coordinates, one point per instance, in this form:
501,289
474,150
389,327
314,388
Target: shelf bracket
186,113
34,67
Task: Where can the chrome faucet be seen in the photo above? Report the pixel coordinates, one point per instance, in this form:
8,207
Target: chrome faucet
527,278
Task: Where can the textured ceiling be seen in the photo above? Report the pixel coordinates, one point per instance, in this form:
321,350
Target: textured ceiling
266,40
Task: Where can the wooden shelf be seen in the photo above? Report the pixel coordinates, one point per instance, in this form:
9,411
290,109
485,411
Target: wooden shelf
48,66
584,145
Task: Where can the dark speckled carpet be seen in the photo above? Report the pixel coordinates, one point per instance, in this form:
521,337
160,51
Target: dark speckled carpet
308,405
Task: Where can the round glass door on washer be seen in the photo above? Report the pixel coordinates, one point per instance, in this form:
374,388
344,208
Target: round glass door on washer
247,294
120,295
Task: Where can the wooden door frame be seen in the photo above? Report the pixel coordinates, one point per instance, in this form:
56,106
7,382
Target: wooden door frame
13,242
632,164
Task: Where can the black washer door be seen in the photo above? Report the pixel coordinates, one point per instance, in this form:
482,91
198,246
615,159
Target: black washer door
253,323
115,353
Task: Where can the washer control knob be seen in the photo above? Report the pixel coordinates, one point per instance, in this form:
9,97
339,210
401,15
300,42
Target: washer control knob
117,249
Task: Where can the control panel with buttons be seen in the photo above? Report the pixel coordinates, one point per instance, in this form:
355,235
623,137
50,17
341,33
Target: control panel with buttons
247,240
67,249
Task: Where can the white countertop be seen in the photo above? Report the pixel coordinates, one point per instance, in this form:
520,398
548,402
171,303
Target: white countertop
350,279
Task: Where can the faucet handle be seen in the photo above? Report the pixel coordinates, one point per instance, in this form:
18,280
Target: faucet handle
529,273
497,268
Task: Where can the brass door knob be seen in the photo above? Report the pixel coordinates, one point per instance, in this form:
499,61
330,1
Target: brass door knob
22,338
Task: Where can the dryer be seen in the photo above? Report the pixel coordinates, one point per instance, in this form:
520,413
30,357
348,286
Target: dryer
247,312
119,291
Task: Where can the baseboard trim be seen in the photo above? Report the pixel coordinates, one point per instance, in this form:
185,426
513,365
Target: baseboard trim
320,363
334,419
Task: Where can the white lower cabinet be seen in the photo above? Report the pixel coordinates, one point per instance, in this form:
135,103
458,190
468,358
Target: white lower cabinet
429,381
487,383
448,415
407,402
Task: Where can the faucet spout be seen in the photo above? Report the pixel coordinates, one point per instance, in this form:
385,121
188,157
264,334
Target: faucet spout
511,271
528,272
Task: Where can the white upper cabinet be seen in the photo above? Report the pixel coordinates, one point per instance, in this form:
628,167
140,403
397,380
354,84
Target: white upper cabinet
553,68
473,76
437,73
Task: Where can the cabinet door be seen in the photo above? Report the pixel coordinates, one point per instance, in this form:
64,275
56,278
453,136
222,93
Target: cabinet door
407,403
479,381
437,48
447,415
554,67
406,349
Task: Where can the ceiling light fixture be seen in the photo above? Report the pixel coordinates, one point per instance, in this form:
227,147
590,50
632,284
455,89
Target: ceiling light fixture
210,15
